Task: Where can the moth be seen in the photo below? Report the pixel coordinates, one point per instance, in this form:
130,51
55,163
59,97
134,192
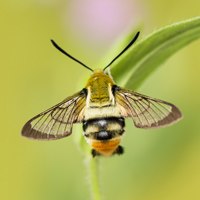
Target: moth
102,107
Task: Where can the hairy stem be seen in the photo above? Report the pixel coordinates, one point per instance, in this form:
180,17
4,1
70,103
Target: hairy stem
92,164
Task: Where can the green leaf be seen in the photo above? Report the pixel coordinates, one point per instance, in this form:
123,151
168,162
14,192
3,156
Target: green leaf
138,62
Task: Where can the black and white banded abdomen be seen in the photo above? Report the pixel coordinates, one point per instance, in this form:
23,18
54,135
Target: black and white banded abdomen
104,134
104,128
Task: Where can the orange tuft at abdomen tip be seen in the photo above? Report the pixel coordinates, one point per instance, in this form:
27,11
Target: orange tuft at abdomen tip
106,148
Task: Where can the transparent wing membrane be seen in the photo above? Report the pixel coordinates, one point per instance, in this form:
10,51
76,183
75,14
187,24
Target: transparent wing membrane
56,122
145,111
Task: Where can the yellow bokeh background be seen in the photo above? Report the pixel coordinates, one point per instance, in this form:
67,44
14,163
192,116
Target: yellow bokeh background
161,164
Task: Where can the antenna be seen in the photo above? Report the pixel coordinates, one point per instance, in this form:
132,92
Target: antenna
64,52
129,45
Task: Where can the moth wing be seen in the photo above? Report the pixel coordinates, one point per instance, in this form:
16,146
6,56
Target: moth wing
146,112
57,121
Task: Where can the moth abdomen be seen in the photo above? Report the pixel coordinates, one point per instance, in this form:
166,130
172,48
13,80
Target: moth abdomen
105,134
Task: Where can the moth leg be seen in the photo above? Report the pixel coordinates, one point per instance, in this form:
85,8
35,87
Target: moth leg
119,150
95,153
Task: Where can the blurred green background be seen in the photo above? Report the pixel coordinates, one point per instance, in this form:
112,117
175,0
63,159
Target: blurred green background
161,164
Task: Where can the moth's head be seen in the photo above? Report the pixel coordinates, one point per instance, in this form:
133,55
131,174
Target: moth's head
99,78
98,71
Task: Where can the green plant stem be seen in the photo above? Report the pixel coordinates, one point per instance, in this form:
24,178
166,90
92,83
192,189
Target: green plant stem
94,177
